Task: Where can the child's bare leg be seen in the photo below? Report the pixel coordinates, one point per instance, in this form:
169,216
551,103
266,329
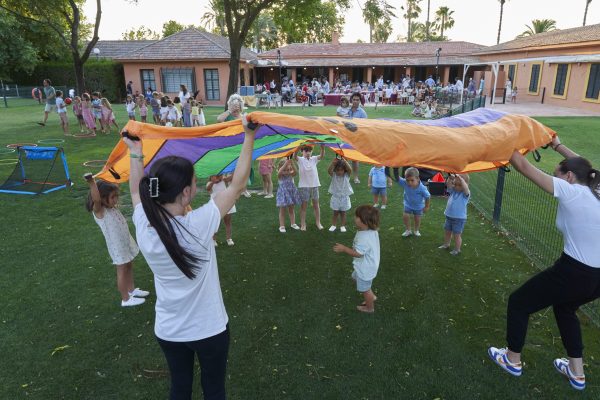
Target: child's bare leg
406,220
317,209
457,241
125,280
303,215
375,198
447,237
334,218
265,184
269,184
227,220
369,304
417,222
292,214
384,199
343,217
281,216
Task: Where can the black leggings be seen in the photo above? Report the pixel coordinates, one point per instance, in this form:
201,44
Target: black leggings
212,355
565,286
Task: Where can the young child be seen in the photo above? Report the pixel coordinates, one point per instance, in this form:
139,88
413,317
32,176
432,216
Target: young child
88,114
196,114
456,211
416,200
288,196
97,109
155,104
513,95
61,108
102,202
172,115
340,190
130,106
143,108
217,184
78,111
344,108
265,167
308,184
366,252
108,116
378,183
178,107
187,113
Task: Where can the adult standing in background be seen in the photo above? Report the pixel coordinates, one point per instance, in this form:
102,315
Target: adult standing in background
50,94
356,111
184,94
130,88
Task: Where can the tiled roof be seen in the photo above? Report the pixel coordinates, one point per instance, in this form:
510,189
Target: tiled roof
189,44
119,48
371,50
376,61
588,33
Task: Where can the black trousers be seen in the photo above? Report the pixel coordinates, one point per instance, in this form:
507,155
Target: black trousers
565,286
212,355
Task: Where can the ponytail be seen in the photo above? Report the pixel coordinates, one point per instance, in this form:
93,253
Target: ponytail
594,182
173,174
583,171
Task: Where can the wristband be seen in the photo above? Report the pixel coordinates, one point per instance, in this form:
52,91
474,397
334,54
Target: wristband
132,155
556,147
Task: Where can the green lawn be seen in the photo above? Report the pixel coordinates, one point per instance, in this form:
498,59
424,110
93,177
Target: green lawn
295,331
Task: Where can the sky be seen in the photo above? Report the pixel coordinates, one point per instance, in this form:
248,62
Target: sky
476,20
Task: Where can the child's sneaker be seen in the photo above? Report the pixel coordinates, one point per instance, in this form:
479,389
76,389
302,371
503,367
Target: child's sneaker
137,292
269,196
294,226
562,366
343,229
246,194
215,243
133,301
455,252
332,228
499,357
375,205
417,234
230,242
356,180
407,233
282,229
383,206
444,246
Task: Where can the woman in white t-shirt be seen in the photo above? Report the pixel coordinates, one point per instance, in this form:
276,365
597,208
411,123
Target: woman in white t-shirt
190,315
574,279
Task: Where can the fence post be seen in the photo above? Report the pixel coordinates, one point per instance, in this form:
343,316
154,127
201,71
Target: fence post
498,199
543,94
504,97
17,89
4,94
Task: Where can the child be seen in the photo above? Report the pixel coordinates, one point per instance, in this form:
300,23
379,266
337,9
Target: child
513,95
378,184
177,105
197,114
108,117
308,184
340,190
164,111
130,106
416,200
102,201
143,108
344,108
265,167
287,193
61,108
172,115
366,252
97,109
187,113
216,184
78,111
88,114
155,104
456,211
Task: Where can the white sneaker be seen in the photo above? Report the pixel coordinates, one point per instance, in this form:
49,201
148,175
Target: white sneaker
319,227
375,205
261,193
269,196
342,229
356,180
215,243
332,228
282,229
294,226
137,292
383,206
500,357
133,301
407,233
417,233
246,194
230,242
444,246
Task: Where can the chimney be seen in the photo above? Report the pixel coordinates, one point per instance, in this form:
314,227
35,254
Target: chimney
335,37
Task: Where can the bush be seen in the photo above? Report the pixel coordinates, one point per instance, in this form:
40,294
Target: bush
105,76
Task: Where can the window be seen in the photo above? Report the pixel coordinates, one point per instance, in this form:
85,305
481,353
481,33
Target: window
534,80
512,74
242,77
172,78
211,84
561,81
148,80
593,83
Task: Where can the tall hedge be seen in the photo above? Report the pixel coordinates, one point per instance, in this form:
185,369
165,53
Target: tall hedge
105,76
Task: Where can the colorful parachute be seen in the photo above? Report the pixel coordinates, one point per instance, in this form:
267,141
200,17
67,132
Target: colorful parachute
475,141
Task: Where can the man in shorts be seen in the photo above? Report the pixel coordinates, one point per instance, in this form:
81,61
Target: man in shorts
50,94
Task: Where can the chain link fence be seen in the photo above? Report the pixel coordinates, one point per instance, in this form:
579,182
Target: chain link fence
15,95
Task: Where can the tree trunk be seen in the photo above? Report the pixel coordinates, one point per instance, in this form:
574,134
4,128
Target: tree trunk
443,24
79,77
587,4
427,23
500,24
371,32
408,38
235,45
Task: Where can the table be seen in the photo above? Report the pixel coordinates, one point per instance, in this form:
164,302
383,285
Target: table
334,99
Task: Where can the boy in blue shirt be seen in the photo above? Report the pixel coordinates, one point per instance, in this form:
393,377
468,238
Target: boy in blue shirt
416,200
378,182
456,211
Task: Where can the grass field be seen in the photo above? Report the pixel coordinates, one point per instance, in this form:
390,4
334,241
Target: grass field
295,331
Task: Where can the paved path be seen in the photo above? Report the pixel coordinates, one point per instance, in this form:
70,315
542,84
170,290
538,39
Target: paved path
543,110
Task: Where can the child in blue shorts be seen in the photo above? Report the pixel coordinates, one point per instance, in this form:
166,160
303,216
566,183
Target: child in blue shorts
456,211
416,200
378,183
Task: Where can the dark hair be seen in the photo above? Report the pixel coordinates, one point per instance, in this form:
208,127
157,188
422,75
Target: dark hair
342,164
355,94
368,215
306,147
105,189
583,171
163,101
183,89
59,93
176,99
173,174
48,80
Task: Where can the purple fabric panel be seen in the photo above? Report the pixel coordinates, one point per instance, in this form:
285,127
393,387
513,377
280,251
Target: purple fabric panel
481,116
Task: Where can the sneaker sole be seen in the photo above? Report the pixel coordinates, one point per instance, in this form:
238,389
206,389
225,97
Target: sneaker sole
573,385
504,367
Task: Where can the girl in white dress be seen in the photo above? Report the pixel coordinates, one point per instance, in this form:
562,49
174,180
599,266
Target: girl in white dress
102,201
340,190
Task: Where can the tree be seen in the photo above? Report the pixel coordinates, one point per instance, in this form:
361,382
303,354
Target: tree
427,23
411,12
538,26
141,33
382,31
264,33
56,15
587,4
377,13
500,23
170,27
443,20
16,53
418,32
214,20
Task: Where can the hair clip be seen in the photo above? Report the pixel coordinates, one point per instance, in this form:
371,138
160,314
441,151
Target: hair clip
154,187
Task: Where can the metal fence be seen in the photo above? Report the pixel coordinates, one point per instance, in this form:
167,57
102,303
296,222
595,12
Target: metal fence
455,107
15,95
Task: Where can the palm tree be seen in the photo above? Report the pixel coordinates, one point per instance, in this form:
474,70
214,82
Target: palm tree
263,33
587,4
376,11
412,11
443,20
539,26
427,23
418,32
382,31
500,24
215,21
